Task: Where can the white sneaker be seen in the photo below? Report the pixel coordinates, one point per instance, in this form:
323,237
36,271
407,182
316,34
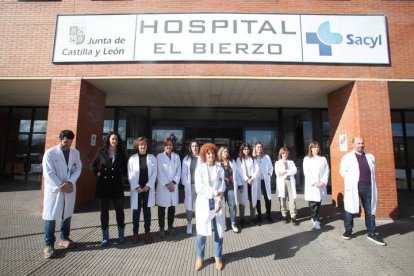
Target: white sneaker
235,229
317,225
189,229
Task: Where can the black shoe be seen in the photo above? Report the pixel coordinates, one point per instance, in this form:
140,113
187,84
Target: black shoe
347,235
269,219
242,223
376,239
295,222
285,219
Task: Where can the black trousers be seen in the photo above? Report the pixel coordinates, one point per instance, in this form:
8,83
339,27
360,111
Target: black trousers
161,216
268,203
314,209
118,204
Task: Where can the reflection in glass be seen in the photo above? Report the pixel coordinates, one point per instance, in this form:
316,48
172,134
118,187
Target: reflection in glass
158,136
39,126
266,137
25,125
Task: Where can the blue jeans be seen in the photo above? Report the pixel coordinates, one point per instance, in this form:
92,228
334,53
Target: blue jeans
142,204
365,193
231,202
218,243
49,228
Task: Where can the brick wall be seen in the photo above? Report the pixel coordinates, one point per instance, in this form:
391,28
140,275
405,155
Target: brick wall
28,28
362,109
77,105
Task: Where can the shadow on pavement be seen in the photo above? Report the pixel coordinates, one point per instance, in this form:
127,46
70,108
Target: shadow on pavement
280,249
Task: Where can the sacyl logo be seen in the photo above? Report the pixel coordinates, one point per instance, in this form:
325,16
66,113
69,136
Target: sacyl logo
324,38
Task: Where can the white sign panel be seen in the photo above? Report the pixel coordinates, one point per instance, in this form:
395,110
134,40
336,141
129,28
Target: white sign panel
230,37
343,142
218,37
344,39
95,38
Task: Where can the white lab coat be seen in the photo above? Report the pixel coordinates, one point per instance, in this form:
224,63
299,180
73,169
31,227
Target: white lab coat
204,192
349,169
243,199
280,180
55,171
238,196
265,172
168,170
186,181
133,178
315,169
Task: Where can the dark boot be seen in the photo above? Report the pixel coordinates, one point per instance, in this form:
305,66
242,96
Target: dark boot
105,237
121,233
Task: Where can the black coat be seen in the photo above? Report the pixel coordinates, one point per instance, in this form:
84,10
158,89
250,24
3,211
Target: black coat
110,180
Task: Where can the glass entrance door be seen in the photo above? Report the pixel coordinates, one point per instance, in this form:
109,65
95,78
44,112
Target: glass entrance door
230,137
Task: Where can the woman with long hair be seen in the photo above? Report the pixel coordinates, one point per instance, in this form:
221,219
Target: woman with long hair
110,165
248,170
231,181
263,180
190,162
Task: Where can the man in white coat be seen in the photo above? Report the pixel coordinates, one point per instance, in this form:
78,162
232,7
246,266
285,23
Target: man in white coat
61,169
358,170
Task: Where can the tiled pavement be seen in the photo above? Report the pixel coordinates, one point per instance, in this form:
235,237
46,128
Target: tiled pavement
269,249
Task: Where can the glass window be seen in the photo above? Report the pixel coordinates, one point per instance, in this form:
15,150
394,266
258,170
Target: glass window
397,129
25,125
109,122
158,136
266,137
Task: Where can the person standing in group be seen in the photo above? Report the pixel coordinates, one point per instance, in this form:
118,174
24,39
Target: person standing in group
168,177
231,182
248,170
61,169
210,212
109,165
188,168
285,170
263,180
316,171
142,173
358,170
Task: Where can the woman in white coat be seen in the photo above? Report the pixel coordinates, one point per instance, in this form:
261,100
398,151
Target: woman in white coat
210,212
263,180
316,171
168,177
231,182
142,173
61,169
248,170
188,168
285,170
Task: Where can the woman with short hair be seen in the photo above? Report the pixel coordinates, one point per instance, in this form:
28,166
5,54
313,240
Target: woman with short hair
285,170
142,173
168,177
316,171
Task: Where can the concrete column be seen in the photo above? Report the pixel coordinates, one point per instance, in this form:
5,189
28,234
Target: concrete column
362,109
76,105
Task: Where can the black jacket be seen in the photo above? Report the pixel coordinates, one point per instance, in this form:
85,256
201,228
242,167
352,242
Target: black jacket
110,180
